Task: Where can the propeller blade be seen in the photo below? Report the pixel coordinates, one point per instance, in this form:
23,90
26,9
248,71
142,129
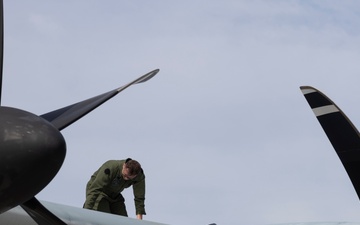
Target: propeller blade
63,117
1,44
342,134
40,214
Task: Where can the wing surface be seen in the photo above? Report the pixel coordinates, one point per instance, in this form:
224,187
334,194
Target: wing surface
71,216
63,117
342,134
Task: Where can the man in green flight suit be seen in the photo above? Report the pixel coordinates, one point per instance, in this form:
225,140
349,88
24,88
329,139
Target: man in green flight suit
103,191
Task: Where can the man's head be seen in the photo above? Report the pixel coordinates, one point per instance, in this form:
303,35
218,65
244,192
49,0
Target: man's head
131,169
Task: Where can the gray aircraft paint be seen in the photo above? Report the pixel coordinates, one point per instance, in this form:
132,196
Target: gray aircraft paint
71,216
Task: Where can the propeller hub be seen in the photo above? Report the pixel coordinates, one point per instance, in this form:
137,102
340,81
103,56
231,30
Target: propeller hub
32,152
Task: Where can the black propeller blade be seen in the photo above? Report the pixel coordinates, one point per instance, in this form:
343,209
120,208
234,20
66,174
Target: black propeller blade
40,214
342,134
1,45
63,117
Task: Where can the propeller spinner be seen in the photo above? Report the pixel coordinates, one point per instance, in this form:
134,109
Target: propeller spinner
32,152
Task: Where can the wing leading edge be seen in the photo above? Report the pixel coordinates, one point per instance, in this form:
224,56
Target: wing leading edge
342,134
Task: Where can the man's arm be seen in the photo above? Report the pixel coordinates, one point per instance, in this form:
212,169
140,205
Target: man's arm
139,196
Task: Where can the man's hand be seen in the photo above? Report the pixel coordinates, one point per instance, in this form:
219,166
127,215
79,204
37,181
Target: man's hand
139,216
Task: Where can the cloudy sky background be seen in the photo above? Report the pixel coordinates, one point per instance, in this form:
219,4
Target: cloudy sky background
223,132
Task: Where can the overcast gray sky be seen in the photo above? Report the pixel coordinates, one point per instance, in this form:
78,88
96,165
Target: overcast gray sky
223,132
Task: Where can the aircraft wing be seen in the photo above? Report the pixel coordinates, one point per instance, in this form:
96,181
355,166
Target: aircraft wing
79,216
342,134
63,117
71,216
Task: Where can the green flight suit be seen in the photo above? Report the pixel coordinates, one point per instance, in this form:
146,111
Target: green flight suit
103,191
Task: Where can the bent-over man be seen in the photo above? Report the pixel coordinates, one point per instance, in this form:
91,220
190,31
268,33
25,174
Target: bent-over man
103,191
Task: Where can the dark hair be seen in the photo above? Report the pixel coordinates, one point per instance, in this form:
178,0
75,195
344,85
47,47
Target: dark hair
133,166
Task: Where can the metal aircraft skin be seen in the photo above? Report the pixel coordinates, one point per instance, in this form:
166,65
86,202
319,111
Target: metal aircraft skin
71,216
32,150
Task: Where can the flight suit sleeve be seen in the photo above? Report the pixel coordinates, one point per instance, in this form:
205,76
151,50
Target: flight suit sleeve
95,187
139,195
